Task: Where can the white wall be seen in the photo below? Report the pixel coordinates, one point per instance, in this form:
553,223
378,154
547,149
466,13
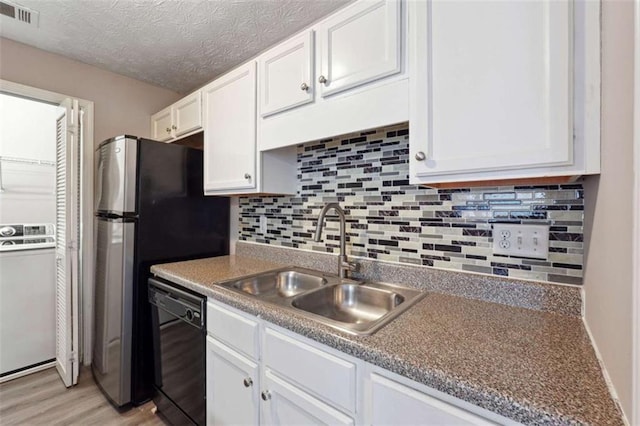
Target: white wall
608,281
28,128
122,105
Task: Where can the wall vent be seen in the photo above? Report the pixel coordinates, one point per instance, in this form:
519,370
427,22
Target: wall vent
19,13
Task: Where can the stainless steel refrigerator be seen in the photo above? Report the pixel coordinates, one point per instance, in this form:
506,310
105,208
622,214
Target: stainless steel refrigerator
150,209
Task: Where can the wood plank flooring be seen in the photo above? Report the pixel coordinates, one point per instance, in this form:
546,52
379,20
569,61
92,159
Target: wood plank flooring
42,399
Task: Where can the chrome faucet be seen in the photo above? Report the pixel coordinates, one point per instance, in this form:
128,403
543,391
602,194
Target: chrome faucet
344,265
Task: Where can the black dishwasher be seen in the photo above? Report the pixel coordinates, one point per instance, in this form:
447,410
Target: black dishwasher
179,341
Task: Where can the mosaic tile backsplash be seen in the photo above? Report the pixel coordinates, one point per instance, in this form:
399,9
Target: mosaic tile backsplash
390,220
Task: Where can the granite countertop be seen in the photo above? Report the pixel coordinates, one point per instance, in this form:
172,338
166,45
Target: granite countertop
531,366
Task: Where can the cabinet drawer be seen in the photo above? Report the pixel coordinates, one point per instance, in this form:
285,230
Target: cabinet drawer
394,403
234,329
328,377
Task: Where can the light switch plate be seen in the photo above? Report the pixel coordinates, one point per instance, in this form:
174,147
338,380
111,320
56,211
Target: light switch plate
521,240
263,225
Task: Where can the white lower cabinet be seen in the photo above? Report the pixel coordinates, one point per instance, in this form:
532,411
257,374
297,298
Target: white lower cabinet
392,403
296,381
233,384
285,404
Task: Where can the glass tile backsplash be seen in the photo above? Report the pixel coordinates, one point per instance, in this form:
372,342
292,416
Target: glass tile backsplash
390,220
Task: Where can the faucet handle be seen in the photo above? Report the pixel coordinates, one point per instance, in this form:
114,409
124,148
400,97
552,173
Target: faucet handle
351,266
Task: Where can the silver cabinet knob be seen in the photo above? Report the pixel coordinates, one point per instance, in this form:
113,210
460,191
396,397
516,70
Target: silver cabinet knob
173,126
420,156
247,176
304,87
322,79
248,382
265,395
168,129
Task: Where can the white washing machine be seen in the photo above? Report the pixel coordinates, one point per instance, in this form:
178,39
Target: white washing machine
27,297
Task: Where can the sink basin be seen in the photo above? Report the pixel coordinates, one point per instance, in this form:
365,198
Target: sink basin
360,309
350,306
284,283
349,303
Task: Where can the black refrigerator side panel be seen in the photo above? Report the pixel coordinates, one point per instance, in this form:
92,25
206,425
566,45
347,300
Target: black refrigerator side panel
175,222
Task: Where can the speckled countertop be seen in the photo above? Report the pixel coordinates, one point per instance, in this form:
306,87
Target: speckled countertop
531,366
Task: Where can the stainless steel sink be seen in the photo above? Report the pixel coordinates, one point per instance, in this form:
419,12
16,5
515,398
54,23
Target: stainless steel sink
349,303
357,308
284,283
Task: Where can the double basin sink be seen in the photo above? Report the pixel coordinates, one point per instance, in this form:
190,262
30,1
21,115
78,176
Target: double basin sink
351,306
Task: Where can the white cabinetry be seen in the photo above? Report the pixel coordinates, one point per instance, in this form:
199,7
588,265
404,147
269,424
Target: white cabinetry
162,125
300,381
180,119
231,163
286,74
360,45
393,403
284,404
232,387
493,90
353,78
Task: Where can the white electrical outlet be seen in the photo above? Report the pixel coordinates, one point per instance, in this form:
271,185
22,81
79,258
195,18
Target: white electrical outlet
263,224
521,240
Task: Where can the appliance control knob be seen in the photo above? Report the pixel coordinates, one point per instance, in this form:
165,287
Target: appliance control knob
248,382
189,314
7,231
265,395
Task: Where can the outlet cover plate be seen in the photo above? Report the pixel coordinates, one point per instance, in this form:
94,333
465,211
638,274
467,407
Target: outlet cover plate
521,240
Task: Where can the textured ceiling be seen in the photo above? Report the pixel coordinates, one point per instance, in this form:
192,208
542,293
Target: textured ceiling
177,44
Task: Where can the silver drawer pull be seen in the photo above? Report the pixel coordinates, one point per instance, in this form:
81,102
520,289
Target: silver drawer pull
420,156
248,382
265,395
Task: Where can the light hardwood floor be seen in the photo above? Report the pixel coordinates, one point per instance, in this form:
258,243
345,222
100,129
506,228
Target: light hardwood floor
41,398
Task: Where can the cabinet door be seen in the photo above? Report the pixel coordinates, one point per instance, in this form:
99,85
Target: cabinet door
491,85
232,387
161,123
395,404
361,44
284,404
187,114
230,130
285,75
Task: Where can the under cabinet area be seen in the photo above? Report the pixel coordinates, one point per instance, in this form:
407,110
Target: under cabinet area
251,379
180,119
344,74
503,90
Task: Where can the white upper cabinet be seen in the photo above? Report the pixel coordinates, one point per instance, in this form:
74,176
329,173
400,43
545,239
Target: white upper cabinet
354,77
232,164
161,123
359,45
180,119
287,75
230,131
188,114
493,89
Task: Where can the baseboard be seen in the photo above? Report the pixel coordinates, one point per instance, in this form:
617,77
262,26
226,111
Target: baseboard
28,371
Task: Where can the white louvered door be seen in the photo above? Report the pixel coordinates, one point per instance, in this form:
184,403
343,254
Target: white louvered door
67,233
